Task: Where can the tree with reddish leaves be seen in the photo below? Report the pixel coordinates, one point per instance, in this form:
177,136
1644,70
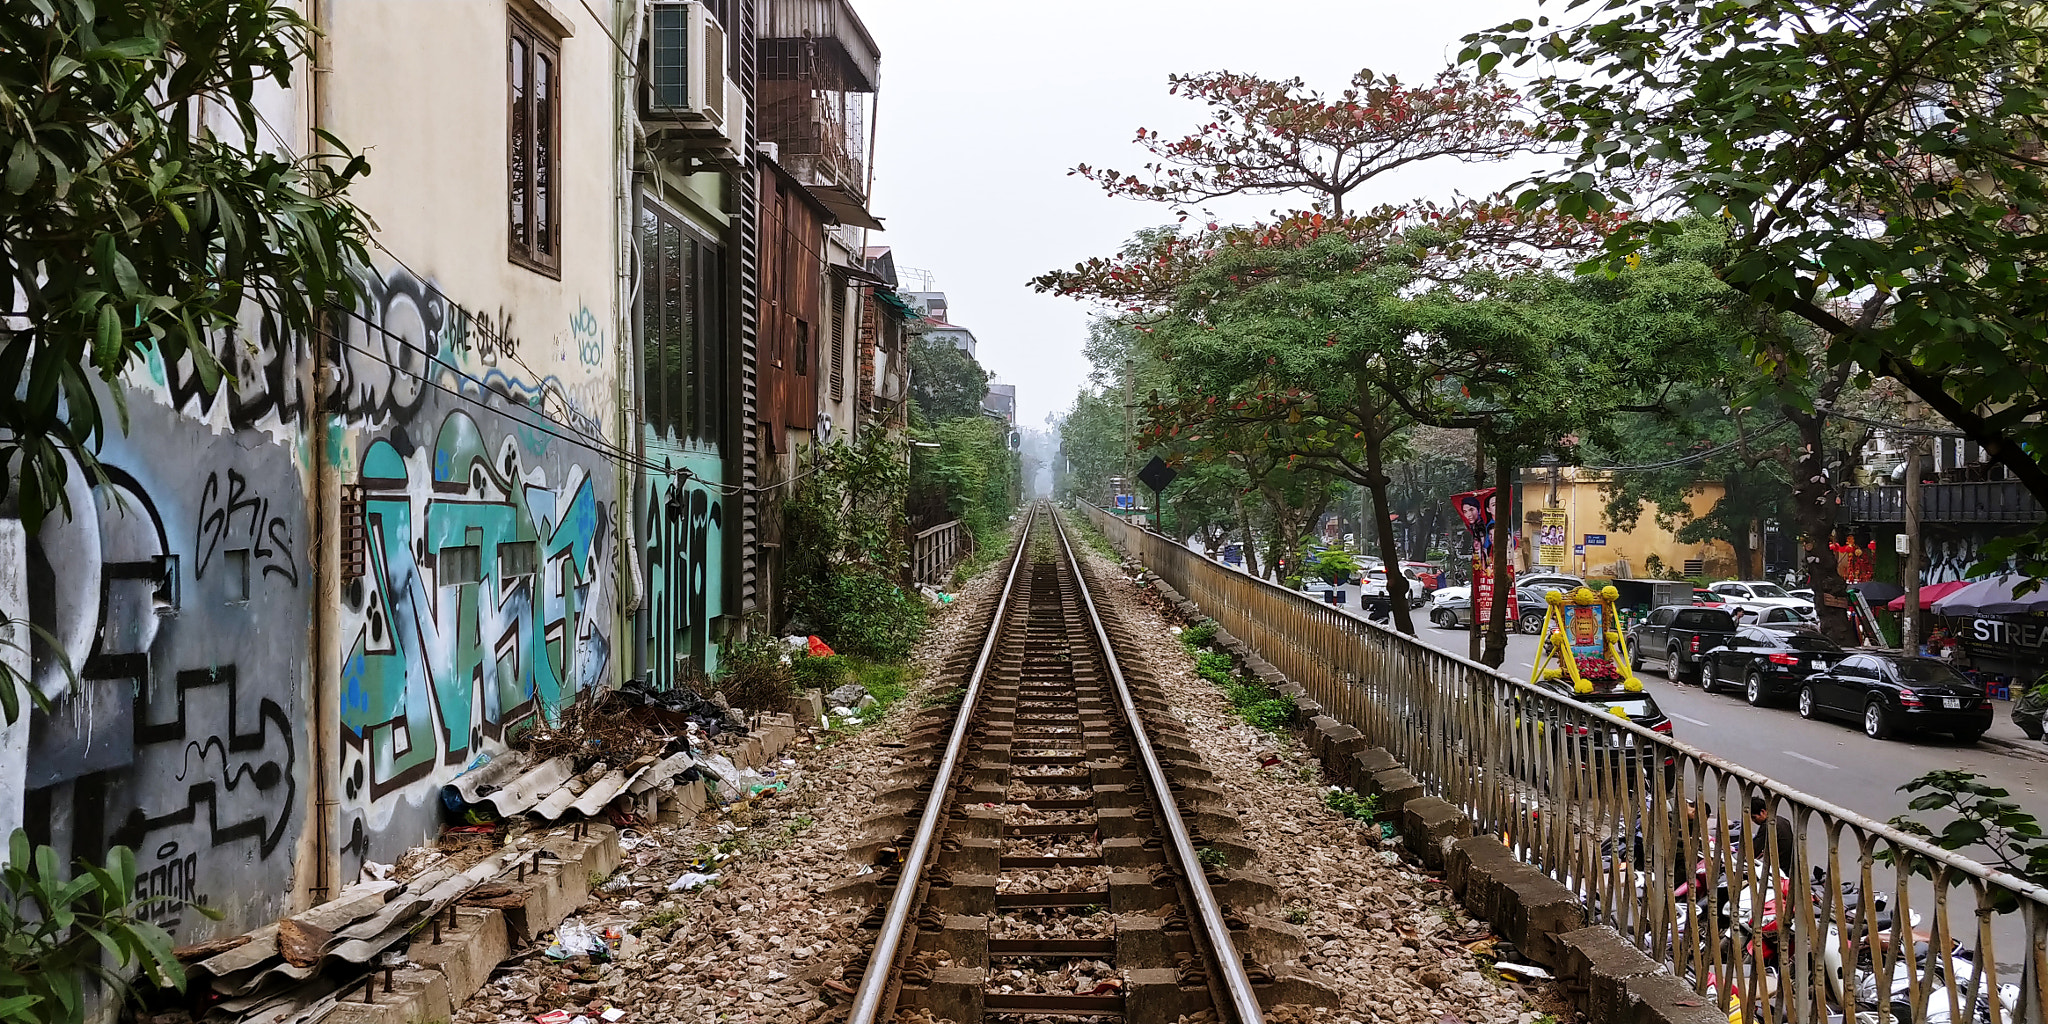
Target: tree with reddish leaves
1278,137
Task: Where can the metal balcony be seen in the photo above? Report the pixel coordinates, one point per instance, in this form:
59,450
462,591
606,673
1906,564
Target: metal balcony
1993,501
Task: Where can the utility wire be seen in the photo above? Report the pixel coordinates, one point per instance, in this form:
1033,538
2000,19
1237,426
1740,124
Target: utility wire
579,439
1695,457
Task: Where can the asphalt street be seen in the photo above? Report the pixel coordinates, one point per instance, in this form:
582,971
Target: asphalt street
1827,759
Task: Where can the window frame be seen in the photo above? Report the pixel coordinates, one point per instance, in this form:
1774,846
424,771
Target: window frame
519,100
692,398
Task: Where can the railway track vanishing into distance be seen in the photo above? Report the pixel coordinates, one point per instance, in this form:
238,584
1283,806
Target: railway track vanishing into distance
1056,850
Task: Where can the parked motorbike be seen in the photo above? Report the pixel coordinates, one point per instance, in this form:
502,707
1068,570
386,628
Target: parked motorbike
2029,709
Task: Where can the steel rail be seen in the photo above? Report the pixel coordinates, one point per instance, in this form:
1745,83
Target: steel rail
874,982
1244,1002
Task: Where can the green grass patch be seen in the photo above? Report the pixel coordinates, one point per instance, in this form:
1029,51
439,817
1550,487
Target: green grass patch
1350,804
1199,635
1252,700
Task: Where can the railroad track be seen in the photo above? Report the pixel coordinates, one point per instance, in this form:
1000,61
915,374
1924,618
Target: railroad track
1055,850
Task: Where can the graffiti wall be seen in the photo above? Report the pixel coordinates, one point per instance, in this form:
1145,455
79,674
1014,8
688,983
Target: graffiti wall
180,596
682,533
487,601
177,597
488,591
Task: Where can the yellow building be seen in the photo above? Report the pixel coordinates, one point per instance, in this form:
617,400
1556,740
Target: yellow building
1589,547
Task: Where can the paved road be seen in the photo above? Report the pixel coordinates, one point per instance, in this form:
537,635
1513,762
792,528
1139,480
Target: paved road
1830,760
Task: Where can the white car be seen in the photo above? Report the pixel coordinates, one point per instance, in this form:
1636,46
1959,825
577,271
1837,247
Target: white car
1759,594
1458,593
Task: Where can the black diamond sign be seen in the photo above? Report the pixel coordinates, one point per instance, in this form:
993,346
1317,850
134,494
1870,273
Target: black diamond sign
1157,474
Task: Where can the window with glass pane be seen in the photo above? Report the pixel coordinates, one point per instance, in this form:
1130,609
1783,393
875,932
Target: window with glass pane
681,317
533,127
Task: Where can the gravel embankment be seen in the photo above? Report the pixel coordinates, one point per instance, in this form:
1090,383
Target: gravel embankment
767,943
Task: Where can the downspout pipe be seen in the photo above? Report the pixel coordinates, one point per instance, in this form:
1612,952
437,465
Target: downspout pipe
325,701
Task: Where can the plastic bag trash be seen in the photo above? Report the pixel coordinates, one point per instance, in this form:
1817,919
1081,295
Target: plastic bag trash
619,883
553,1017
375,872
1529,971
612,1014
628,839
692,880
574,938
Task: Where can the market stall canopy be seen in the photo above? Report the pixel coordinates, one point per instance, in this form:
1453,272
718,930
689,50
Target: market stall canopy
1929,593
1993,596
1877,591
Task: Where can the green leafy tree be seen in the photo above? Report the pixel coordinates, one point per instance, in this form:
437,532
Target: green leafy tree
1878,163
973,471
1092,444
62,937
945,382
141,212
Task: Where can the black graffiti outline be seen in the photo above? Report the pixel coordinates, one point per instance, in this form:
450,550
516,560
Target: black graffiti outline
215,522
264,777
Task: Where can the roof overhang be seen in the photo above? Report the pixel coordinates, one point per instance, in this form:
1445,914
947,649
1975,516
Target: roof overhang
845,205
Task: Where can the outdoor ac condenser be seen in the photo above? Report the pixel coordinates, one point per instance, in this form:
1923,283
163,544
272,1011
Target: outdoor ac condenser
686,77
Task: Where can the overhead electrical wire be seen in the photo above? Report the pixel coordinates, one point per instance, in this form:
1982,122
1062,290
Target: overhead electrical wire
579,439
1694,457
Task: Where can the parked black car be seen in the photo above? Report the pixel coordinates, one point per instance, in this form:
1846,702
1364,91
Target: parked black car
1677,635
1893,692
1767,664
1456,612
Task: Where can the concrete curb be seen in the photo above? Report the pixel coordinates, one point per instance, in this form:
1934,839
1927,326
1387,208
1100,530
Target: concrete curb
2027,749
1610,980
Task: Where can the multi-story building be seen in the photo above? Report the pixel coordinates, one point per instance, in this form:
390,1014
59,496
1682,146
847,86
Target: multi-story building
301,604
619,278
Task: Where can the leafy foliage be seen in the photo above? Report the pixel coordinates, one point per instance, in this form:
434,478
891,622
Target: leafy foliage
1987,824
845,528
1275,137
1350,804
973,471
59,935
868,615
142,214
756,674
945,382
1878,163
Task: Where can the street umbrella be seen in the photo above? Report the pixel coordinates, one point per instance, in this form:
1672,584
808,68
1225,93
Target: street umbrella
1929,594
1993,596
1878,592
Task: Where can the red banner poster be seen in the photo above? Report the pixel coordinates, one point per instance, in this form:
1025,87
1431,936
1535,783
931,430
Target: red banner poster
1476,510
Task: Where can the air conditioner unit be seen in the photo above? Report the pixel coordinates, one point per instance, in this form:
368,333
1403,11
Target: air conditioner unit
686,81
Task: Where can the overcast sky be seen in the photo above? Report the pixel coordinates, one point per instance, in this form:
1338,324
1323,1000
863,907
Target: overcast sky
984,107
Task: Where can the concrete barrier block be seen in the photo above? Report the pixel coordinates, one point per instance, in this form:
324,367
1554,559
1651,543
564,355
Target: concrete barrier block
1599,962
1318,738
465,956
1470,868
1534,911
1395,787
1663,999
1428,824
808,708
1339,744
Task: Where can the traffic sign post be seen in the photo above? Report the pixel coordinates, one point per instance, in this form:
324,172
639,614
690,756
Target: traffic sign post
1158,476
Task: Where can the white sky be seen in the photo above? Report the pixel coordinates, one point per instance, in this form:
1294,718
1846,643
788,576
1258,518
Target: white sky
984,107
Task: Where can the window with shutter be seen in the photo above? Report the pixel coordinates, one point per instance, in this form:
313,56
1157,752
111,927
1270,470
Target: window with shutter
534,143
838,340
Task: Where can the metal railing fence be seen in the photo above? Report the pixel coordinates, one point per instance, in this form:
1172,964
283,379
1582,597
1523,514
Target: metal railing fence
933,552
1858,921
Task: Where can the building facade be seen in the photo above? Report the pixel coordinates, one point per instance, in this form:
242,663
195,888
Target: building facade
620,280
